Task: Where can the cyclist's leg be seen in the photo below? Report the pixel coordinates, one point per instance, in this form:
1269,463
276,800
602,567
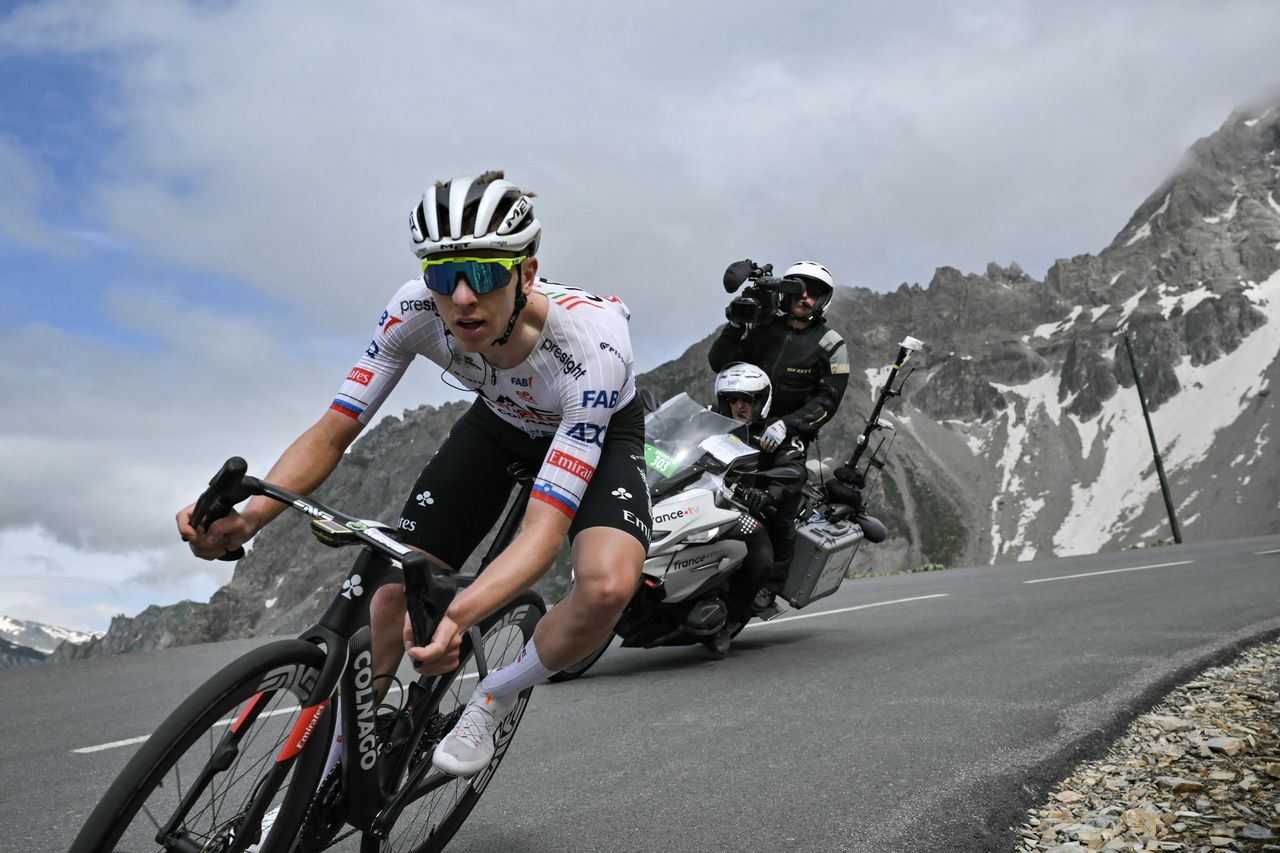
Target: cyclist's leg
610,537
456,500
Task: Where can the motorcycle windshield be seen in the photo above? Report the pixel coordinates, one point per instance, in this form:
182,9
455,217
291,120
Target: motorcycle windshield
684,438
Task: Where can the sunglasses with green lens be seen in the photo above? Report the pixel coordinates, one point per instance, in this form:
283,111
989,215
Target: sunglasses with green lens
483,275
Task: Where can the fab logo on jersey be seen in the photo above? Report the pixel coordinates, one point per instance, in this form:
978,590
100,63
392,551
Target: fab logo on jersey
599,399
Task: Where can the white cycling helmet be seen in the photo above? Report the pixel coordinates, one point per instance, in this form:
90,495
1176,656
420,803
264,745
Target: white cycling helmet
741,378
817,282
479,212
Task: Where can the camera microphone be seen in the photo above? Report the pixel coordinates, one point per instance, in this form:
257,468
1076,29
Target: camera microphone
736,274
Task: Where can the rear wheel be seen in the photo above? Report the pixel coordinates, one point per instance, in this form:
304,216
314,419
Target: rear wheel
440,803
577,670
230,753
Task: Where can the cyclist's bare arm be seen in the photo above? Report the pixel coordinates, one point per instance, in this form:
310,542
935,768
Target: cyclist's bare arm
517,568
307,462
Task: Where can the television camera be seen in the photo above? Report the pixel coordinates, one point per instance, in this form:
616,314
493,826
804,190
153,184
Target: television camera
762,297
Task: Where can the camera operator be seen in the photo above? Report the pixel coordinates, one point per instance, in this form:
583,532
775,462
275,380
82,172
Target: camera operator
806,361
779,325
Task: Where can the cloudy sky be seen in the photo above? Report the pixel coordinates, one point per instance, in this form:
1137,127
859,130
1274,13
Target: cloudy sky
202,205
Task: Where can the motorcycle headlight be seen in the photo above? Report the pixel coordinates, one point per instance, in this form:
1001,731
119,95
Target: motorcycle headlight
708,534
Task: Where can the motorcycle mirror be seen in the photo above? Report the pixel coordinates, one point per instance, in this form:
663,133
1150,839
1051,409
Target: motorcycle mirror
910,343
648,400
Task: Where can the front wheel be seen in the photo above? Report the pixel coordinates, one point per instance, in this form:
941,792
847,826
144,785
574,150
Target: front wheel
441,803
230,753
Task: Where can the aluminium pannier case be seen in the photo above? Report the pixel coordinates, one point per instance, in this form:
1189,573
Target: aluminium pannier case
823,551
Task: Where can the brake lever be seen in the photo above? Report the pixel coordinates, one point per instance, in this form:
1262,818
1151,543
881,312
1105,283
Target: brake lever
428,592
227,488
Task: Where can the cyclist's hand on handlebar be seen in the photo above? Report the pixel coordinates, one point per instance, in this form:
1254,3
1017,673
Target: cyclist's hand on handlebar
225,534
439,655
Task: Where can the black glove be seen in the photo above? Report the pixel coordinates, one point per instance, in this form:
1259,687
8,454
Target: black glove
756,500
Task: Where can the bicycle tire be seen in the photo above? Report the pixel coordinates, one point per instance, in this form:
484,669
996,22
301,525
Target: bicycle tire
282,673
577,670
427,824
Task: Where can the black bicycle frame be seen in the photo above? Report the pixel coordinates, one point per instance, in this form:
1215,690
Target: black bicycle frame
344,630
345,634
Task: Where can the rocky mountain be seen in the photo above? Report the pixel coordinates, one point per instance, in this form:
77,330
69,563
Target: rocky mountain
38,636
1020,433
12,654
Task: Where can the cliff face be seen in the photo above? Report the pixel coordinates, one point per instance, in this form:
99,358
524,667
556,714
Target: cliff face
1020,433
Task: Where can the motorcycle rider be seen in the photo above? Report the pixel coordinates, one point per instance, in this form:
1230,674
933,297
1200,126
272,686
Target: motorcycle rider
744,393
806,362
481,314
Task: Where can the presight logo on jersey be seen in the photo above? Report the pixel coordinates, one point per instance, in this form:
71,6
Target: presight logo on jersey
568,363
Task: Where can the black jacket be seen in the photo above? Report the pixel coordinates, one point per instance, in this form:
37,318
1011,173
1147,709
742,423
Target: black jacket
809,369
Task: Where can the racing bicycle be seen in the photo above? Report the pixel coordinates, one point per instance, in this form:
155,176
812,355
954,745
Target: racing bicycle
251,742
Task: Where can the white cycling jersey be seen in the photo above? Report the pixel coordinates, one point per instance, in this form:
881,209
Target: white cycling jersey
577,375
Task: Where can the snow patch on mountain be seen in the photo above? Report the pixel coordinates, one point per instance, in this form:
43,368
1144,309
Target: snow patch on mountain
1169,300
41,637
1130,305
1229,215
1213,396
1048,330
1145,231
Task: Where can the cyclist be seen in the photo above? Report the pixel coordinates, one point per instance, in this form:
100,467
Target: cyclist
551,367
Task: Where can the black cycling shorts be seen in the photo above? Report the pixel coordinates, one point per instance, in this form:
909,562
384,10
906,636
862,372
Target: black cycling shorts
462,491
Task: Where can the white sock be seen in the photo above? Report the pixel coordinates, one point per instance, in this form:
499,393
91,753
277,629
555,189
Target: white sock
335,748
503,684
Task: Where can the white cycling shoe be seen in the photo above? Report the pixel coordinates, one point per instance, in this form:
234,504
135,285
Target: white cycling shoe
468,749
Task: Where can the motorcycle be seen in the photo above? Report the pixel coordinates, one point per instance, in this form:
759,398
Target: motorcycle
694,458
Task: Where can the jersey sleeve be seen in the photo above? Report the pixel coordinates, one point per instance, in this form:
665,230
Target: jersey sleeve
384,361
588,402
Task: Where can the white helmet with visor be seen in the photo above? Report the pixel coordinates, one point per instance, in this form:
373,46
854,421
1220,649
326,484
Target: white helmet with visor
818,283
744,380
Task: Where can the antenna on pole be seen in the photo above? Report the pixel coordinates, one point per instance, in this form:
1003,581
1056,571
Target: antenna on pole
1155,448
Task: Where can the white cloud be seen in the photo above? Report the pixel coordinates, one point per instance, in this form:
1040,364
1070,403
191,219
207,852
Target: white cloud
24,182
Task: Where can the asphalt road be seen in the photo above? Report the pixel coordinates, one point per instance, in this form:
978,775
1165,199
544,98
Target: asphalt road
908,713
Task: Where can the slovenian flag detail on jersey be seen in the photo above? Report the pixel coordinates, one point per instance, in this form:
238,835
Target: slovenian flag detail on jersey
346,408
548,493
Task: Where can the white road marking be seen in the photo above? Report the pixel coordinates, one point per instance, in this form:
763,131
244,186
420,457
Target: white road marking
844,610
1111,571
116,744
1263,553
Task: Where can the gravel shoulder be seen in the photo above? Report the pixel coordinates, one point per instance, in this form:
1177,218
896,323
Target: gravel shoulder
1200,772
